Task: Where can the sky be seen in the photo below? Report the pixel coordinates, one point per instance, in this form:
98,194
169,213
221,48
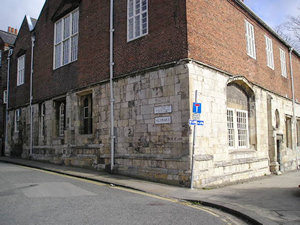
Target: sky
273,12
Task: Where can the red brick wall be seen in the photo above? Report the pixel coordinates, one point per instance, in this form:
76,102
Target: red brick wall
165,42
216,36
19,95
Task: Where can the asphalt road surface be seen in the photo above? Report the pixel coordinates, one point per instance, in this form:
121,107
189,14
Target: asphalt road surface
33,197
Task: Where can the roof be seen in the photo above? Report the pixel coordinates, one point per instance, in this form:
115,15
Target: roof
7,37
31,22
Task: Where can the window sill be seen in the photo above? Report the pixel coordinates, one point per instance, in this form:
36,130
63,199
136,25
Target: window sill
133,39
241,150
64,65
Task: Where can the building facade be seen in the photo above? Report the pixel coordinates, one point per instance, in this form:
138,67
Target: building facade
165,56
7,40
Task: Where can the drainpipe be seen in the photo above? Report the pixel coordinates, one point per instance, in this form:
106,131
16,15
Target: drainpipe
111,65
31,111
293,93
10,52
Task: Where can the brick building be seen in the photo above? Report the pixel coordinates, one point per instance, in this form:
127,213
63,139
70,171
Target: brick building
162,53
7,40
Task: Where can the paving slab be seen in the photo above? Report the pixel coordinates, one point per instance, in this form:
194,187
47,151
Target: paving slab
268,200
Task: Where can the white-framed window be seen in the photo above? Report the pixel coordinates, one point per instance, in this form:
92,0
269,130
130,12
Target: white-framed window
237,126
283,63
251,51
21,70
269,51
66,39
17,119
137,19
61,122
5,97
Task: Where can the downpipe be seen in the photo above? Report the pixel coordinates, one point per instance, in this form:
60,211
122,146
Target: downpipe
111,65
294,114
31,97
10,52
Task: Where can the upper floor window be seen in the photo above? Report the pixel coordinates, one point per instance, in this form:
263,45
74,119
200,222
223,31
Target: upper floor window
21,70
269,50
283,62
250,39
66,39
137,22
5,97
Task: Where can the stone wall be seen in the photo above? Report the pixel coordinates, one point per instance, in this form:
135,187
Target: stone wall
215,162
153,138
143,148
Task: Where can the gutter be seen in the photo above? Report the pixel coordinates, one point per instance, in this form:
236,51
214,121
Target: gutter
31,111
111,66
6,114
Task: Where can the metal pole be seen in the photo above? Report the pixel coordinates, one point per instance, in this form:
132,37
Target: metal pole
193,149
10,52
31,111
294,114
111,64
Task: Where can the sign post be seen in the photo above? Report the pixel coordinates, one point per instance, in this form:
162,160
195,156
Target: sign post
196,111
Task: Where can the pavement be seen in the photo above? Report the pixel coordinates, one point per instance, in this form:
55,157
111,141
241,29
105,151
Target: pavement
269,200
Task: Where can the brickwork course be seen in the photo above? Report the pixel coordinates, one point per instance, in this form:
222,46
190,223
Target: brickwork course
190,46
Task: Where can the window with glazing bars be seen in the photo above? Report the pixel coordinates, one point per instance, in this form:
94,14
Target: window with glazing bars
251,51
21,70
137,14
61,122
237,127
66,39
269,51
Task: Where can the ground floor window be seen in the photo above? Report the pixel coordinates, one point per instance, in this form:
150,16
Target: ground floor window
60,109
42,119
86,114
298,132
17,120
237,126
288,131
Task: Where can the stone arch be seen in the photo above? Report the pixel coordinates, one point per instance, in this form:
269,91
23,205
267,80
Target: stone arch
241,97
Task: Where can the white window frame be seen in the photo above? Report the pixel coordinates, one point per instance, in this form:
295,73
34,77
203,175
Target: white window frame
17,120
21,70
69,39
283,62
250,39
235,130
5,97
269,52
136,16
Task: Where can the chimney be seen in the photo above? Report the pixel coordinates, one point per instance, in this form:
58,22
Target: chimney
12,30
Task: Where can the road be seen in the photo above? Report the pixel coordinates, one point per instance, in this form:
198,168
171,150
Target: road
35,197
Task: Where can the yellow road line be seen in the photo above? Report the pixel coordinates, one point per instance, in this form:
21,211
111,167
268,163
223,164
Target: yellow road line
184,203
